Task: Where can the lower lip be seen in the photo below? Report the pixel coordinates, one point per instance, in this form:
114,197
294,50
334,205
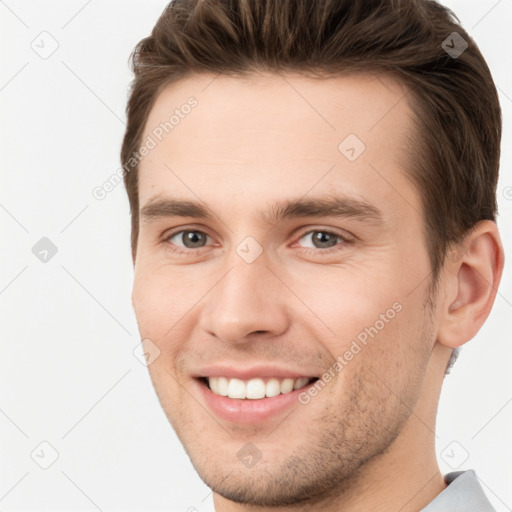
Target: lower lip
248,410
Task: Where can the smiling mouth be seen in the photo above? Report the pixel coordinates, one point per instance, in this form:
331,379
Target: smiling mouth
255,389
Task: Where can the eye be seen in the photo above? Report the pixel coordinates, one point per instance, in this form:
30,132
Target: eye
320,241
323,239
188,239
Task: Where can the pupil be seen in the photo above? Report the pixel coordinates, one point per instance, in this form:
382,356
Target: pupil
192,238
322,237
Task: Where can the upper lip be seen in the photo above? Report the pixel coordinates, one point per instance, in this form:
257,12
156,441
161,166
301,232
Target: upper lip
237,371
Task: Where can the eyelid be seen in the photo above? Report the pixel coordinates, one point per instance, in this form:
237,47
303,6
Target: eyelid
173,232
345,235
345,239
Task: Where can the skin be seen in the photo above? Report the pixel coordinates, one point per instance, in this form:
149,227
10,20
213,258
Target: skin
366,441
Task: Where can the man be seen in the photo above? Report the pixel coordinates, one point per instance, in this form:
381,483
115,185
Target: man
312,188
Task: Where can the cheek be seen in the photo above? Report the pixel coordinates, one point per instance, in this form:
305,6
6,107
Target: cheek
384,372
345,304
158,306
370,321
162,300
157,310
150,304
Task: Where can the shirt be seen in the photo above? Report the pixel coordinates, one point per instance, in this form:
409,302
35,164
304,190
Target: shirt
463,494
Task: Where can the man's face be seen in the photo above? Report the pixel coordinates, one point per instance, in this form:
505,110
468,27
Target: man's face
250,295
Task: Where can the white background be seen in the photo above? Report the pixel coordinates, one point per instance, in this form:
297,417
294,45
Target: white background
68,376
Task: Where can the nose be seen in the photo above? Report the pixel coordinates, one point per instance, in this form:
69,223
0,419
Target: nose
248,300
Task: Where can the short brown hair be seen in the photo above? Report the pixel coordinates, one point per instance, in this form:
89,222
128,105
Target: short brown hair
455,155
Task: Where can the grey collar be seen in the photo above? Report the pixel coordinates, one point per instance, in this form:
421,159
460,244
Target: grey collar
463,494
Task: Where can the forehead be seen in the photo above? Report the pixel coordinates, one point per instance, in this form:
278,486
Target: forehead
269,133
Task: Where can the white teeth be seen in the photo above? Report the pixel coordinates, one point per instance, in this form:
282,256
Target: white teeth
299,383
254,388
236,388
287,385
223,386
214,385
273,388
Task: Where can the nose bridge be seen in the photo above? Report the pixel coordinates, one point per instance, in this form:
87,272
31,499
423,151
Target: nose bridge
245,300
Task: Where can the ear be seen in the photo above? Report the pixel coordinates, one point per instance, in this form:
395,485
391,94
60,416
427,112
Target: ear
472,275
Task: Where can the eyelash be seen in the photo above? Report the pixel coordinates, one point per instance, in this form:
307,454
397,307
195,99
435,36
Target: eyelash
306,250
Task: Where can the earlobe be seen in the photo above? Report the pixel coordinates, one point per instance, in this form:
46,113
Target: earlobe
472,277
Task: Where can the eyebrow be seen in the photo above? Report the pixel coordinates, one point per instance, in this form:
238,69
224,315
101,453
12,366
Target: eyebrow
325,206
